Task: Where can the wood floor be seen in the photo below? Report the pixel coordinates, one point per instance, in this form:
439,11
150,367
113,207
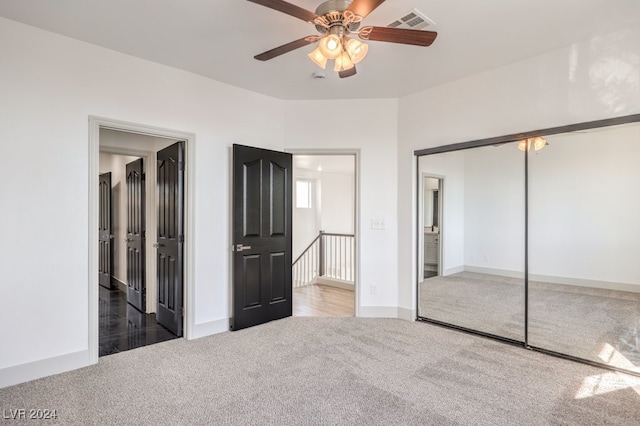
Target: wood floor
323,301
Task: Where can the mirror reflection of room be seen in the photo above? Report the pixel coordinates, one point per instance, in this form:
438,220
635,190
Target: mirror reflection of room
584,245
583,232
479,282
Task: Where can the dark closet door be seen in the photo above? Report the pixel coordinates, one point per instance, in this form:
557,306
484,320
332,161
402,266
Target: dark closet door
170,243
105,248
136,285
261,236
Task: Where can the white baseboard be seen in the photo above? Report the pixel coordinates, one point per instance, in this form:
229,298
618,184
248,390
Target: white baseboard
121,285
452,271
579,282
208,328
492,271
406,314
14,375
378,312
332,282
387,312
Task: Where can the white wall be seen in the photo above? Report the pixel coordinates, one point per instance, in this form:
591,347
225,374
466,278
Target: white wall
53,84
56,83
585,207
595,79
332,206
494,211
337,202
116,164
376,140
306,222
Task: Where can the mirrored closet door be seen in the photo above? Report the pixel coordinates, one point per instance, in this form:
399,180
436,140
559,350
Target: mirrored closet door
471,239
584,245
535,239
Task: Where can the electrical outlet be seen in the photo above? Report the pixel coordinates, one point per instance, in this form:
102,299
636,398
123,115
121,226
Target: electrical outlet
377,223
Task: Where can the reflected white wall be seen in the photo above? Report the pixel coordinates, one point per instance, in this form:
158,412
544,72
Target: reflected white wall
584,206
494,188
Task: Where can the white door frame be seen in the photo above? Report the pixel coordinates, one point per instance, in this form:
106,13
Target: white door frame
356,210
420,231
95,124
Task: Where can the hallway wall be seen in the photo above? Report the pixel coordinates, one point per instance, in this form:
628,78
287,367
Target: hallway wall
332,210
116,164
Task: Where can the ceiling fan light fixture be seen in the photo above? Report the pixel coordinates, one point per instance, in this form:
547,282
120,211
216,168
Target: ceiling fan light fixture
356,50
330,46
537,143
318,58
337,21
343,62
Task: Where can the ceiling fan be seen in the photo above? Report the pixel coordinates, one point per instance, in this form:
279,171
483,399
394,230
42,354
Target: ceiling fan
336,20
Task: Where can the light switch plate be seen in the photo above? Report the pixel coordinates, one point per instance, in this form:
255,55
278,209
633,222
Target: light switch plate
378,223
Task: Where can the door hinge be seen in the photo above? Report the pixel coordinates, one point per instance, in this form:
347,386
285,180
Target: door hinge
181,311
181,238
180,165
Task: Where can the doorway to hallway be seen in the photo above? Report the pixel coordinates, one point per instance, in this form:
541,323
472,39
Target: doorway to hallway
324,234
143,301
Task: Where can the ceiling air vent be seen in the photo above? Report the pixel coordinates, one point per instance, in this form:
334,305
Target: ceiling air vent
414,20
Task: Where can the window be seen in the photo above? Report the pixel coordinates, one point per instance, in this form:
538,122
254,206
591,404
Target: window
303,194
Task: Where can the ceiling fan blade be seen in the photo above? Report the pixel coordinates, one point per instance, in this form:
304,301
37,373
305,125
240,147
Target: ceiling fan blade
398,35
288,8
364,7
347,73
286,48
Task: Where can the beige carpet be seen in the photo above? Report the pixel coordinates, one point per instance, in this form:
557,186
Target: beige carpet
594,324
334,371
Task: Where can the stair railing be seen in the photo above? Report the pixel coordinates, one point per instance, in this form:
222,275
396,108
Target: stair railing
329,255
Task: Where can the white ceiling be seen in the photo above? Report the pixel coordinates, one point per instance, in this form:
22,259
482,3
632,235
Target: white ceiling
218,38
343,164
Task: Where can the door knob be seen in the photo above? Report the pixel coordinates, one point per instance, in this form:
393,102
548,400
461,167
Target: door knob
240,247
126,240
156,245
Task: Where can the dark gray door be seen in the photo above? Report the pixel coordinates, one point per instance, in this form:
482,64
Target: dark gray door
136,285
105,248
170,244
261,236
